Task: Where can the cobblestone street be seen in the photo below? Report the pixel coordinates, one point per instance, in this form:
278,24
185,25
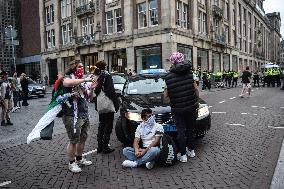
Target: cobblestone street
240,151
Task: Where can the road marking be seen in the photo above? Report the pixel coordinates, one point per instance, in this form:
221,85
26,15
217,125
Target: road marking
254,106
275,127
222,101
254,114
235,124
263,107
219,112
90,152
5,183
210,106
244,113
282,107
233,98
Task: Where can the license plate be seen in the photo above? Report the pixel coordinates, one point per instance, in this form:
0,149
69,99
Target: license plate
169,128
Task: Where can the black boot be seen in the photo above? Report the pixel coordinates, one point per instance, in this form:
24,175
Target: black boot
3,123
108,150
9,122
100,148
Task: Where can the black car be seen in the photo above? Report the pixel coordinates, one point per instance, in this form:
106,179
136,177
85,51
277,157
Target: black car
146,91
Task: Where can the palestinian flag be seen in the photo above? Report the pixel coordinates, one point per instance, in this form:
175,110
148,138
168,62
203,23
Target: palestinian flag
44,124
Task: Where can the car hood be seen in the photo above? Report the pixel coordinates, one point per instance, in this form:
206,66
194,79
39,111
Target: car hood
155,101
118,86
35,86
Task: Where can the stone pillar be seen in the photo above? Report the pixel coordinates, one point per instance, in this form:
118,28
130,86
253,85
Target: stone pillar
59,65
210,62
167,49
222,62
130,58
194,57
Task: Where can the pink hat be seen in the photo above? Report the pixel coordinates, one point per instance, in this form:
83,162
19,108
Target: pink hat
176,57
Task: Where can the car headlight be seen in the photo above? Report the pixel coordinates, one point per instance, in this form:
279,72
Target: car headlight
203,111
133,116
30,89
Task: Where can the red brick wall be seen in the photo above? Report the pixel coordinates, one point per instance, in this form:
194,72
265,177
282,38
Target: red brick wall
30,27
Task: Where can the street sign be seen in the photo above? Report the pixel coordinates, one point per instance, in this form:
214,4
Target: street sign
9,42
10,32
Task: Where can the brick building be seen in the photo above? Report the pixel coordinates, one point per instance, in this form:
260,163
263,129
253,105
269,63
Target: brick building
141,34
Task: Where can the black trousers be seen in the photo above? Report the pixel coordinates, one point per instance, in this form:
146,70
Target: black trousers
25,98
105,129
235,82
185,124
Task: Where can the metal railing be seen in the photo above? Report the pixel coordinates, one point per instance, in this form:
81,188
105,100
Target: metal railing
217,11
85,9
85,40
220,39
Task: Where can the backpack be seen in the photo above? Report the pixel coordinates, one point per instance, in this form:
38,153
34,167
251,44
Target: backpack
168,154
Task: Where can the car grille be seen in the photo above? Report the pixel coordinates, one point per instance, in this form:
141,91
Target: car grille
164,118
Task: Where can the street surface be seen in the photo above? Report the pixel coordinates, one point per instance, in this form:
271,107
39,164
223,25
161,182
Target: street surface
240,151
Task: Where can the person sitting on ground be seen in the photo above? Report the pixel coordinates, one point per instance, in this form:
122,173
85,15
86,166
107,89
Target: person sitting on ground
150,133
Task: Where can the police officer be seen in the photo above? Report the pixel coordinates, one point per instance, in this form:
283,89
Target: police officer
235,78
255,79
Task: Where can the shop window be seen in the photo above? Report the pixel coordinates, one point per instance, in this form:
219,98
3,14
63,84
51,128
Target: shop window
202,60
148,58
226,62
216,62
186,51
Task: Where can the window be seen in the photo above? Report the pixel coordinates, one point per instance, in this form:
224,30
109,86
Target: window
226,11
118,20
66,34
88,26
142,20
227,34
217,26
114,24
49,14
109,22
65,8
153,12
216,2
182,14
201,2
50,38
233,17
202,28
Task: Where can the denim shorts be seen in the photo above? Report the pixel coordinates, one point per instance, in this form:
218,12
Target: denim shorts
82,127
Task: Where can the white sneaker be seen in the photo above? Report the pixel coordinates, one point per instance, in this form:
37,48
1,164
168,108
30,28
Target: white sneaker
182,158
128,163
190,153
83,161
74,167
150,165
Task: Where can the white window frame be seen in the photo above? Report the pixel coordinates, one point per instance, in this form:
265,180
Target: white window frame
182,14
65,8
142,14
116,20
202,25
49,14
109,22
217,26
52,35
66,33
87,26
153,10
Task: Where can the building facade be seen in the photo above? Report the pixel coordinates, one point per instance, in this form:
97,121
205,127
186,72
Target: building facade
282,53
30,43
8,17
141,34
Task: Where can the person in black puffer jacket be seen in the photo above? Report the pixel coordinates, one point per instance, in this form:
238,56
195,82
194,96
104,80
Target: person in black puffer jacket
106,119
183,94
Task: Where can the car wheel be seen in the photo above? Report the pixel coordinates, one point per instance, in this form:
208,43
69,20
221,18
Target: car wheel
120,133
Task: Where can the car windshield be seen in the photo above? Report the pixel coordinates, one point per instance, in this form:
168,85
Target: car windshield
31,81
117,79
146,86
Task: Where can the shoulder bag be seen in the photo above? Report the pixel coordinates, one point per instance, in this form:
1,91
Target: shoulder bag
104,103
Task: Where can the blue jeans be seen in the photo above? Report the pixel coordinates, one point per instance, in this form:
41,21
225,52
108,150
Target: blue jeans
150,155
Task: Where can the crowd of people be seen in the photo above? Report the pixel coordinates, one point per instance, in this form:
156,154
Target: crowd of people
13,91
270,77
181,89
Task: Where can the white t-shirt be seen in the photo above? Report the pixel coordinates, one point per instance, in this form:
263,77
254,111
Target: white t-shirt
147,139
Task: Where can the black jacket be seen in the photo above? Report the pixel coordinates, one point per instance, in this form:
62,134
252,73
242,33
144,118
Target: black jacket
180,85
105,80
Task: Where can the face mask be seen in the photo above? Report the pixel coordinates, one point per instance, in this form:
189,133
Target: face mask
79,73
151,120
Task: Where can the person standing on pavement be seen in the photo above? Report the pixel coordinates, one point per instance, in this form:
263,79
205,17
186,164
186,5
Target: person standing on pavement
105,83
5,98
15,89
150,133
183,94
75,114
246,80
256,78
25,89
